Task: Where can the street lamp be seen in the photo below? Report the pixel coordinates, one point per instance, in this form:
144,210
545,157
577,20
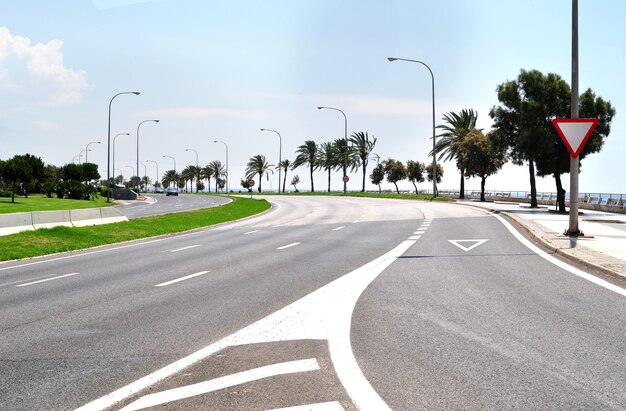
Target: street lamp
145,173
87,148
80,155
145,121
225,145
280,149
197,168
114,138
435,193
345,157
74,159
132,168
109,144
157,168
174,166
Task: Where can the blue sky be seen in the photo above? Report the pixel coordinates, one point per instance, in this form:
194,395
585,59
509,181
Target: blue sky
222,70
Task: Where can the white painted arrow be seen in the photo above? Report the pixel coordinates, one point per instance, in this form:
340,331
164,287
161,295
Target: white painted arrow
466,249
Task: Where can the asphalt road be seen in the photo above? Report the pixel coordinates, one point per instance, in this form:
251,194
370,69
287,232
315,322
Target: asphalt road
337,302
158,204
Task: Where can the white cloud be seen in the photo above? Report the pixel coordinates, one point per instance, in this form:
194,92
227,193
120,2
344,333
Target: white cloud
41,64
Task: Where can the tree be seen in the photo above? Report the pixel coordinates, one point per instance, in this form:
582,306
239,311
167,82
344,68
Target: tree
344,158
170,177
429,172
480,157
258,165
523,123
307,154
19,170
394,171
378,175
326,158
415,172
245,183
188,174
284,165
206,172
362,148
217,170
458,125
52,179
294,181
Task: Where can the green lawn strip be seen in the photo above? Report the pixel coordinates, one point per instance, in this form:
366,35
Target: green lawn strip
59,239
404,196
38,202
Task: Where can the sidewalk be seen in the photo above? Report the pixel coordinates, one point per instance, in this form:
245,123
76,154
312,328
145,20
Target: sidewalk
602,247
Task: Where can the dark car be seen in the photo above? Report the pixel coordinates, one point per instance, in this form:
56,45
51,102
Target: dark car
171,191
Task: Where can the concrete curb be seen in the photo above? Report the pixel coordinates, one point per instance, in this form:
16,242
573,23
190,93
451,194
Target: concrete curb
17,222
539,235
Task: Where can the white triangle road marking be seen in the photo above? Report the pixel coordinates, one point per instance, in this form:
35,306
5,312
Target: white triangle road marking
466,249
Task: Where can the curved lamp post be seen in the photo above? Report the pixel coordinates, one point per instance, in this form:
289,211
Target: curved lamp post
145,121
175,182
109,144
87,148
345,157
132,168
435,193
80,155
225,145
157,168
197,168
280,149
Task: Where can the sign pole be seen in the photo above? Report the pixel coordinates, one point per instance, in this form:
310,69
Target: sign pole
573,165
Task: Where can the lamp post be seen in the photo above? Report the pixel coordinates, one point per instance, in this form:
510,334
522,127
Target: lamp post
114,138
80,155
87,148
174,166
145,121
157,168
74,159
432,76
345,157
145,173
280,149
225,145
109,144
132,168
197,168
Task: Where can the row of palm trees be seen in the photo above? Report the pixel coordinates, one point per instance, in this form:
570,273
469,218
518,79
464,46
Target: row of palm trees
328,156
214,170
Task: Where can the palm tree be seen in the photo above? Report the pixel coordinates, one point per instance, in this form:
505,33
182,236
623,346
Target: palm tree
326,158
169,177
188,174
363,147
217,170
284,165
206,172
344,157
258,165
307,154
457,127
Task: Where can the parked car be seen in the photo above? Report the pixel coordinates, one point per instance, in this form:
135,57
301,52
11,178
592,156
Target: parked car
159,190
171,191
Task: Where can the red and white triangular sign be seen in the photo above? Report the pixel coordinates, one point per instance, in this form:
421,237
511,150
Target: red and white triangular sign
575,132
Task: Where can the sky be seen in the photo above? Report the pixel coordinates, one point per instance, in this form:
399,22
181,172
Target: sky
222,70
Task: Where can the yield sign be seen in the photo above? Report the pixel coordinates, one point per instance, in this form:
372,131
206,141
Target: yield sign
473,244
575,132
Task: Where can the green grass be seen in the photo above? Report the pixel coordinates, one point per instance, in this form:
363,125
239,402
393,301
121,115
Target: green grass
39,202
61,239
386,194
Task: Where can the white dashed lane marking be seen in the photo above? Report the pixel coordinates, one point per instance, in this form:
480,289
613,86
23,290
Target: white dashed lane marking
288,246
181,279
47,279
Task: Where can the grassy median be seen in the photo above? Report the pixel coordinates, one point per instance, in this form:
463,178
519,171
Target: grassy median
61,239
39,202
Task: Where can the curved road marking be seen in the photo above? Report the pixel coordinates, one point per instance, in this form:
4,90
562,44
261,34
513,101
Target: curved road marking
559,263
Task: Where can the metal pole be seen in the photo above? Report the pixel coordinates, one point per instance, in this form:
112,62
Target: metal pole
280,150
156,121
435,191
114,138
197,168
345,156
109,144
157,168
573,164
174,168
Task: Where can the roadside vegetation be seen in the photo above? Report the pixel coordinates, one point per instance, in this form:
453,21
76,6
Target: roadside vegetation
384,194
39,202
62,239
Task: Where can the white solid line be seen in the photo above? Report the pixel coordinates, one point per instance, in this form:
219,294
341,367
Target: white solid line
184,248
559,263
288,245
251,232
339,228
414,237
181,279
322,406
47,279
205,387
